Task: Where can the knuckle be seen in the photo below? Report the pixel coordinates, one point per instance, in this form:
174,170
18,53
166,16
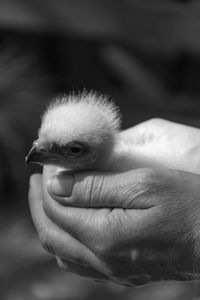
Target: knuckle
93,188
153,185
158,180
148,185
147,177
149,174
151,178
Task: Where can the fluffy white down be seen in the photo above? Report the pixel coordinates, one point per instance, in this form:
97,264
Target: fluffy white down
88,117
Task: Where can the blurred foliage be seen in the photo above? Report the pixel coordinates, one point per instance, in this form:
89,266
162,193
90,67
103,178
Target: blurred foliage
24,87
143,54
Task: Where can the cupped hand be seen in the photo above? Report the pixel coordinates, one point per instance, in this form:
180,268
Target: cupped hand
133,228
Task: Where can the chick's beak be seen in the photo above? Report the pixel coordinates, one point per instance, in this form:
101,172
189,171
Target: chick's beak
41,154
35,155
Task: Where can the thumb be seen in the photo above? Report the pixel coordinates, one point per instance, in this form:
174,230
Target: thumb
122,190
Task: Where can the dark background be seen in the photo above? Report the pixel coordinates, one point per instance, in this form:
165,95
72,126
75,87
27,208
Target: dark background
143,54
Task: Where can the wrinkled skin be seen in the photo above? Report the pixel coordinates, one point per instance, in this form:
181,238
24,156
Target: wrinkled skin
135,227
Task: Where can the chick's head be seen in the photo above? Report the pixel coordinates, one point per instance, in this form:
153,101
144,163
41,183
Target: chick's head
78,132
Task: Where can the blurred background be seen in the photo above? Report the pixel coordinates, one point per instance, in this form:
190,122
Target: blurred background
144,54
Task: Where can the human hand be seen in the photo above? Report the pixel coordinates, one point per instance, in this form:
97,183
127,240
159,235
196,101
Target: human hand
132,228
159,142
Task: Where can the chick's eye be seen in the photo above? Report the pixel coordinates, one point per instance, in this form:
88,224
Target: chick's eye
76,149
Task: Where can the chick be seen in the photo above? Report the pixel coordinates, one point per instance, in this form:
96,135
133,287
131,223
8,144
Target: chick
78,132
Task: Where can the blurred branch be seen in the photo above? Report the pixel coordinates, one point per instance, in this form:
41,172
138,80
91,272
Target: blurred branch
161,26
137,79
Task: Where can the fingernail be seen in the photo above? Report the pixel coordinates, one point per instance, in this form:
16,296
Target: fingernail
61,185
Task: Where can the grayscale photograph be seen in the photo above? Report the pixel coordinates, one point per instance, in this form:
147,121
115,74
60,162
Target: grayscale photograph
99,150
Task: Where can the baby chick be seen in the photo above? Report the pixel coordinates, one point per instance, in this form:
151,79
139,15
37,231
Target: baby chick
78,132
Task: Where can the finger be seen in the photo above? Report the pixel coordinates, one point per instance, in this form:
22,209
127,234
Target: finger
81,270
122,190
53,238
83,224
35,199
102,230
88,272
